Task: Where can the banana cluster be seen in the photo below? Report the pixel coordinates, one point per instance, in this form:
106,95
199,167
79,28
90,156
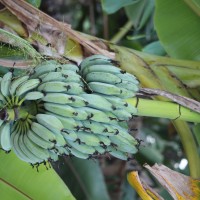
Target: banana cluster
68,110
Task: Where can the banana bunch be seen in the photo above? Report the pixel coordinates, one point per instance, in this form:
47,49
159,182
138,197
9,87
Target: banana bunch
67,110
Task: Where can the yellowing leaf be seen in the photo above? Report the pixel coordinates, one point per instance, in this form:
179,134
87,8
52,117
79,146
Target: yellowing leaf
180,187
141,188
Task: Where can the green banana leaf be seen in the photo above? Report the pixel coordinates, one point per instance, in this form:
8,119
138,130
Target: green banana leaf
20,181
87,176
111,6
177,24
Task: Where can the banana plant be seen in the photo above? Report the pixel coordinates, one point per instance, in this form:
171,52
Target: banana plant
170,84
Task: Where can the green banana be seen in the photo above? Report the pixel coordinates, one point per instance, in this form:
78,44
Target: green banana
117,153
39,141
38,151
104,140
16,82
95,60
27,86
122,114
102,77
5,84
53,156
26,151
100,150
78,153
20,154
53,124
5,139
95,115
62,98
60,109
88,138
123,144
108,89
128,77
58,86
71,67
98,128
64,76
35,95
97,102
68,123
62,151
82,147
128,85
50,122
43,132
69,135
102,68
45,67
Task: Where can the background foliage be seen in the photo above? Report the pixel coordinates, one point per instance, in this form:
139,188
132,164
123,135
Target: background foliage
167,28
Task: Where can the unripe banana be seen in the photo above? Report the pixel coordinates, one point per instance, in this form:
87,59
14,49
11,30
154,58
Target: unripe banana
35,95
16,82
102,68
35,149
68,123
58,86
122,114
26,151
62,98
43,132
82,147
62,151
50,122
53,124
20,154
27,86
95,60
108,89
104,140
97,102
78,153
64,76
88,138
5,84
45,67
71,67
102,77
69,135
53,156
123,144
60,109
96,115
39,141
128,85
5,136
128,77
117,153
100,150
98,128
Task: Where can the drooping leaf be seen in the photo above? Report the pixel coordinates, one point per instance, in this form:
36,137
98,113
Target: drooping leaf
87,176
177,26
18,180
111,6
154,48
141,188
178,185
140,12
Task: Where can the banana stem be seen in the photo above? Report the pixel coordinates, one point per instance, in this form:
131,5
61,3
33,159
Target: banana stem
163,109
190,147
122,32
